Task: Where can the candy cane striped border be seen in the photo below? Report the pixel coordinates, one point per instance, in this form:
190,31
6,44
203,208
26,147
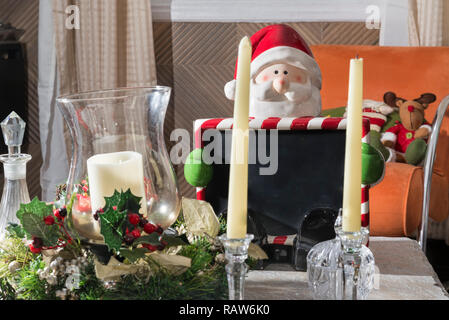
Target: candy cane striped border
282,240
305,123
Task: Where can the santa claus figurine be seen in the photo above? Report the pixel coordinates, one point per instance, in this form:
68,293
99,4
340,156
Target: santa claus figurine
285,78
285,83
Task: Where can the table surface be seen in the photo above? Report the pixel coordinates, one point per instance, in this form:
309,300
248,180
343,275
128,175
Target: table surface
405,274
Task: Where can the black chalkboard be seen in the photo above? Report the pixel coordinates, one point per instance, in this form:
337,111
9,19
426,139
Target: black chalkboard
310,175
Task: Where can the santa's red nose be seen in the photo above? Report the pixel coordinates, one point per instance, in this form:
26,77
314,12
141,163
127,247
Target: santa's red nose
411,108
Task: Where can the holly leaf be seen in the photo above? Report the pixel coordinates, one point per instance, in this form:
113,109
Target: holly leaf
112,225
112,201
35,225
133,255
130,201
123,201
36,207
152,239
173,241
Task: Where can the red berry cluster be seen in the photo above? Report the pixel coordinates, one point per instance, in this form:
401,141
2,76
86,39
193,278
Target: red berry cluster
36,246
137,224
97,214
49,221
60,214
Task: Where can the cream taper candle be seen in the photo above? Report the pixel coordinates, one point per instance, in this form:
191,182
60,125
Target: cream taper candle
238,176
352,195
119,171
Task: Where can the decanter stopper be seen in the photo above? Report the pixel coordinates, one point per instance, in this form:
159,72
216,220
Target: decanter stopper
13,128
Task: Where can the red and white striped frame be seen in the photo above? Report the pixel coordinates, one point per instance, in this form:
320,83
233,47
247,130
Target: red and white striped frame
282,240
305,123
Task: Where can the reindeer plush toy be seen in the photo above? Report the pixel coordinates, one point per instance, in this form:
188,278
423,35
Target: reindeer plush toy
407,140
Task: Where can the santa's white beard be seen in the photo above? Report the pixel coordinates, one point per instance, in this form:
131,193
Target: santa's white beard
299,101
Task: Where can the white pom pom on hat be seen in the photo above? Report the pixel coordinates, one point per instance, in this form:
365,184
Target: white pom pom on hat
278,44
230,89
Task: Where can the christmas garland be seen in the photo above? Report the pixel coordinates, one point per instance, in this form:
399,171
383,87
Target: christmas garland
28,278
43,257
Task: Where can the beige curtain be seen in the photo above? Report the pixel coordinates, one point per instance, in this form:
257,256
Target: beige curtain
426,23
445,23
112,48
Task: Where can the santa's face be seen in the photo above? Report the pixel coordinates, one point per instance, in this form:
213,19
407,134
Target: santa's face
281,75
283,90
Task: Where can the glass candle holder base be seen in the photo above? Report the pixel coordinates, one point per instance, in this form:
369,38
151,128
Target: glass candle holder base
236,252
342,268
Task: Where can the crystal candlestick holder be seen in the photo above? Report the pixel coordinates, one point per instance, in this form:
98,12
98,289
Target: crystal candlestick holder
358,265
236,251
15,190
342,268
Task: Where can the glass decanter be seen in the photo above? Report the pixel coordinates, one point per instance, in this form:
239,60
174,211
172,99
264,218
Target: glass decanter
127,120
15,190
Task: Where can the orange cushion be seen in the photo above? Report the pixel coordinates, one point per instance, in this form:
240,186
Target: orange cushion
396,202
400,191
439,201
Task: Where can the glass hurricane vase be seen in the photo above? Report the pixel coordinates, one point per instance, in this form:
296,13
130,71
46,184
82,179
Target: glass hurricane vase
127,120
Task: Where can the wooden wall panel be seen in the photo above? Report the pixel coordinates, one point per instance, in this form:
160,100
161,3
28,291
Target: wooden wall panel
197,59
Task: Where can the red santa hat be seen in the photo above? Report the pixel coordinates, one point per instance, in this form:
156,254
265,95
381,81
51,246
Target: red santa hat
279,44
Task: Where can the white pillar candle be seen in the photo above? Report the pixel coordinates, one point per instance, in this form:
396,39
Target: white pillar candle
352,195
238,176
115,171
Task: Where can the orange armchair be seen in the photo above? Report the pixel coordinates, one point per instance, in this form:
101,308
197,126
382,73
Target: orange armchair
396,203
